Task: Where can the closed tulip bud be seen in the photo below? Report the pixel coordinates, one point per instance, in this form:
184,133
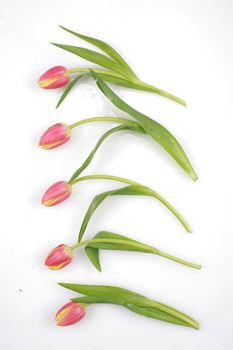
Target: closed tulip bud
56,193
55,136
70,313
59,257
54,78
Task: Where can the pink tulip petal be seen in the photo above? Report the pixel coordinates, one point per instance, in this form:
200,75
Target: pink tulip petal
70,313
59,257
55,136
56,193
54,78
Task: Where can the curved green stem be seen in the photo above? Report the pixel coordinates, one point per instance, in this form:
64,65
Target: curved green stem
151,88
105,177
180,261
149,249
88,160
103,119
87,70
130,182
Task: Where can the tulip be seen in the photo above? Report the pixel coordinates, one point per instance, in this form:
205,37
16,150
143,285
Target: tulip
54,78
59,257
56,193
55,136
70,313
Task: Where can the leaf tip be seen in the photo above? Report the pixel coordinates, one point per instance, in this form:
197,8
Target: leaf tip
194,177
99,268
60,283
64,28
196,326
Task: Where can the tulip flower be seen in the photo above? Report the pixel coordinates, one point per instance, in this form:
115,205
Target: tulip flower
61,190
70,313
118,70
55,136
56,193
59,257
138,303
60,133
54,78
63,254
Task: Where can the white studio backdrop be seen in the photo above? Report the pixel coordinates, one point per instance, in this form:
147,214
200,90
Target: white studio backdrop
182,46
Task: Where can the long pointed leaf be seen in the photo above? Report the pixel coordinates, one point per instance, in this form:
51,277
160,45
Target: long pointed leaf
138,247
129,299
140,85
113,241
94,57
101,140
92,250
128,190
147,311
102,299
101,290
158,132
120,80
158,314
136,83
68,89
151,312
93,255
109,50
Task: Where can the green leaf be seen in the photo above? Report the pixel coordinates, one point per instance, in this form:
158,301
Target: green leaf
92,249
90,211
138,247
95,57
157,314
119,80
115,78
140,85
151,312
128,190
135,83
133,301
68,89
96,299
101,140
158,132
93,255
100,290
113,241
110,51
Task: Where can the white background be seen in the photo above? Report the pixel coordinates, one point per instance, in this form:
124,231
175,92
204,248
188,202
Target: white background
182,46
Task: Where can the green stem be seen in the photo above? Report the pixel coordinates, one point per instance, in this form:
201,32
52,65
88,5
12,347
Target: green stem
87,70
103,119
151,88
133,183
150,249
105,177
180,261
